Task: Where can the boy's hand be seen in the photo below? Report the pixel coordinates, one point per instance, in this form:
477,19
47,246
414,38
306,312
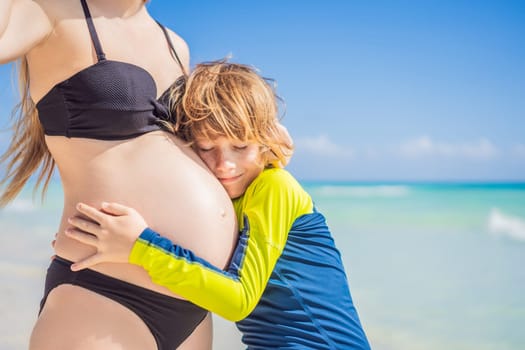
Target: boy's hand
113,231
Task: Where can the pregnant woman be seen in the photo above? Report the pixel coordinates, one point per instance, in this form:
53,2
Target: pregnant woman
94,79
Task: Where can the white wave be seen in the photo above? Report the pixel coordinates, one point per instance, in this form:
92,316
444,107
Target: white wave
21,206
20,270
365,191
503,224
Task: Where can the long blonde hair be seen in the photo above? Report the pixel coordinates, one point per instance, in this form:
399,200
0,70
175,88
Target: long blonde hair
27,151
232,100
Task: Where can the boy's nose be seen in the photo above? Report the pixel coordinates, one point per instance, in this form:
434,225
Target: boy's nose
224,161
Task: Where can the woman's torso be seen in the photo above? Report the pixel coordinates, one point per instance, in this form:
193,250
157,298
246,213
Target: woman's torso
154,173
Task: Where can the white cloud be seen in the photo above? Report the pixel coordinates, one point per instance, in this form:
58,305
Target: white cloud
372,153
519,150
425,146
322,145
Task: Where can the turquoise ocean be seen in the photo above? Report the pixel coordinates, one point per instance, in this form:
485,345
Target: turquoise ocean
431,266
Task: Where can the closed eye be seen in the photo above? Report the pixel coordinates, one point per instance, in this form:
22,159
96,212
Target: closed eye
203,146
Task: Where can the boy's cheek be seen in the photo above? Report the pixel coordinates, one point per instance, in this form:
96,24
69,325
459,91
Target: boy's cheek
208,161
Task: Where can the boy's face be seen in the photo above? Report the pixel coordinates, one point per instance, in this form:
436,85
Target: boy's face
235,164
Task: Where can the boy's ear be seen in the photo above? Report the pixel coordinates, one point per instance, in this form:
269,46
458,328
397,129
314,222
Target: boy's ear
271,160
284,135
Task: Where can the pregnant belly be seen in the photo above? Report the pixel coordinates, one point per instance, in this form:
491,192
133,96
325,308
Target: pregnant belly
165,182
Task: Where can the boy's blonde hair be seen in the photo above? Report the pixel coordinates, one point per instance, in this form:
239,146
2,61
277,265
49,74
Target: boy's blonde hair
221,98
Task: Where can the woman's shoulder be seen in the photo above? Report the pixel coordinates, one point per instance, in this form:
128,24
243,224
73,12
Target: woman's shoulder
17,38
181,48
56,10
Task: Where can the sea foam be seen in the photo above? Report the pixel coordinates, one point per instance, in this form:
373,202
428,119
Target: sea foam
365,191
503,224
21,206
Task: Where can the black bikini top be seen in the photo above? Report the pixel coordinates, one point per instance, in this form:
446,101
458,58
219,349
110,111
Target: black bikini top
109,100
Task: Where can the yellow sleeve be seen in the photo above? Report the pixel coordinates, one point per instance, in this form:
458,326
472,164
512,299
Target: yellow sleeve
266,213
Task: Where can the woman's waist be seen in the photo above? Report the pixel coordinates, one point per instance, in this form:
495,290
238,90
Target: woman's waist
159,178
166,188
167,203
187,213
125,272
184,229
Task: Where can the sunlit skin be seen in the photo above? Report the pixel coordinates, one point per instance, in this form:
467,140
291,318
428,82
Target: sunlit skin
235,164
156,173
113,230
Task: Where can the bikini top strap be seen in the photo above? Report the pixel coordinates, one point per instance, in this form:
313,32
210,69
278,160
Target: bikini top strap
92,32
172,48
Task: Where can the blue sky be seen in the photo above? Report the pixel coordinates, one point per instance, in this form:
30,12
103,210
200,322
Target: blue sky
376,90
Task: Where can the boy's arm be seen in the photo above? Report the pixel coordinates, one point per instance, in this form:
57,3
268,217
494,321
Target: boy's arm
232,294
269,213
269,210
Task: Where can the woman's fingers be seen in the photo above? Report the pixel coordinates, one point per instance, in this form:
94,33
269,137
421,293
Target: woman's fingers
82,237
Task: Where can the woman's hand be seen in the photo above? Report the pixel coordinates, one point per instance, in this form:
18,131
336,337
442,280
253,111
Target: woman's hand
113,231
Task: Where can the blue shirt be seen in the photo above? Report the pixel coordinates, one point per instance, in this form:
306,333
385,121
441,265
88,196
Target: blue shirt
286,286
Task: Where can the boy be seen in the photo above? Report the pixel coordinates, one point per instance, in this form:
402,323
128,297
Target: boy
285,286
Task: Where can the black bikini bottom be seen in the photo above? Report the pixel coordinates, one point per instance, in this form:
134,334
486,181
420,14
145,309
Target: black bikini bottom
170,320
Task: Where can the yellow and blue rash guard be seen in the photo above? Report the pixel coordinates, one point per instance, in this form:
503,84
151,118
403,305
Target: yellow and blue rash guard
285,286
